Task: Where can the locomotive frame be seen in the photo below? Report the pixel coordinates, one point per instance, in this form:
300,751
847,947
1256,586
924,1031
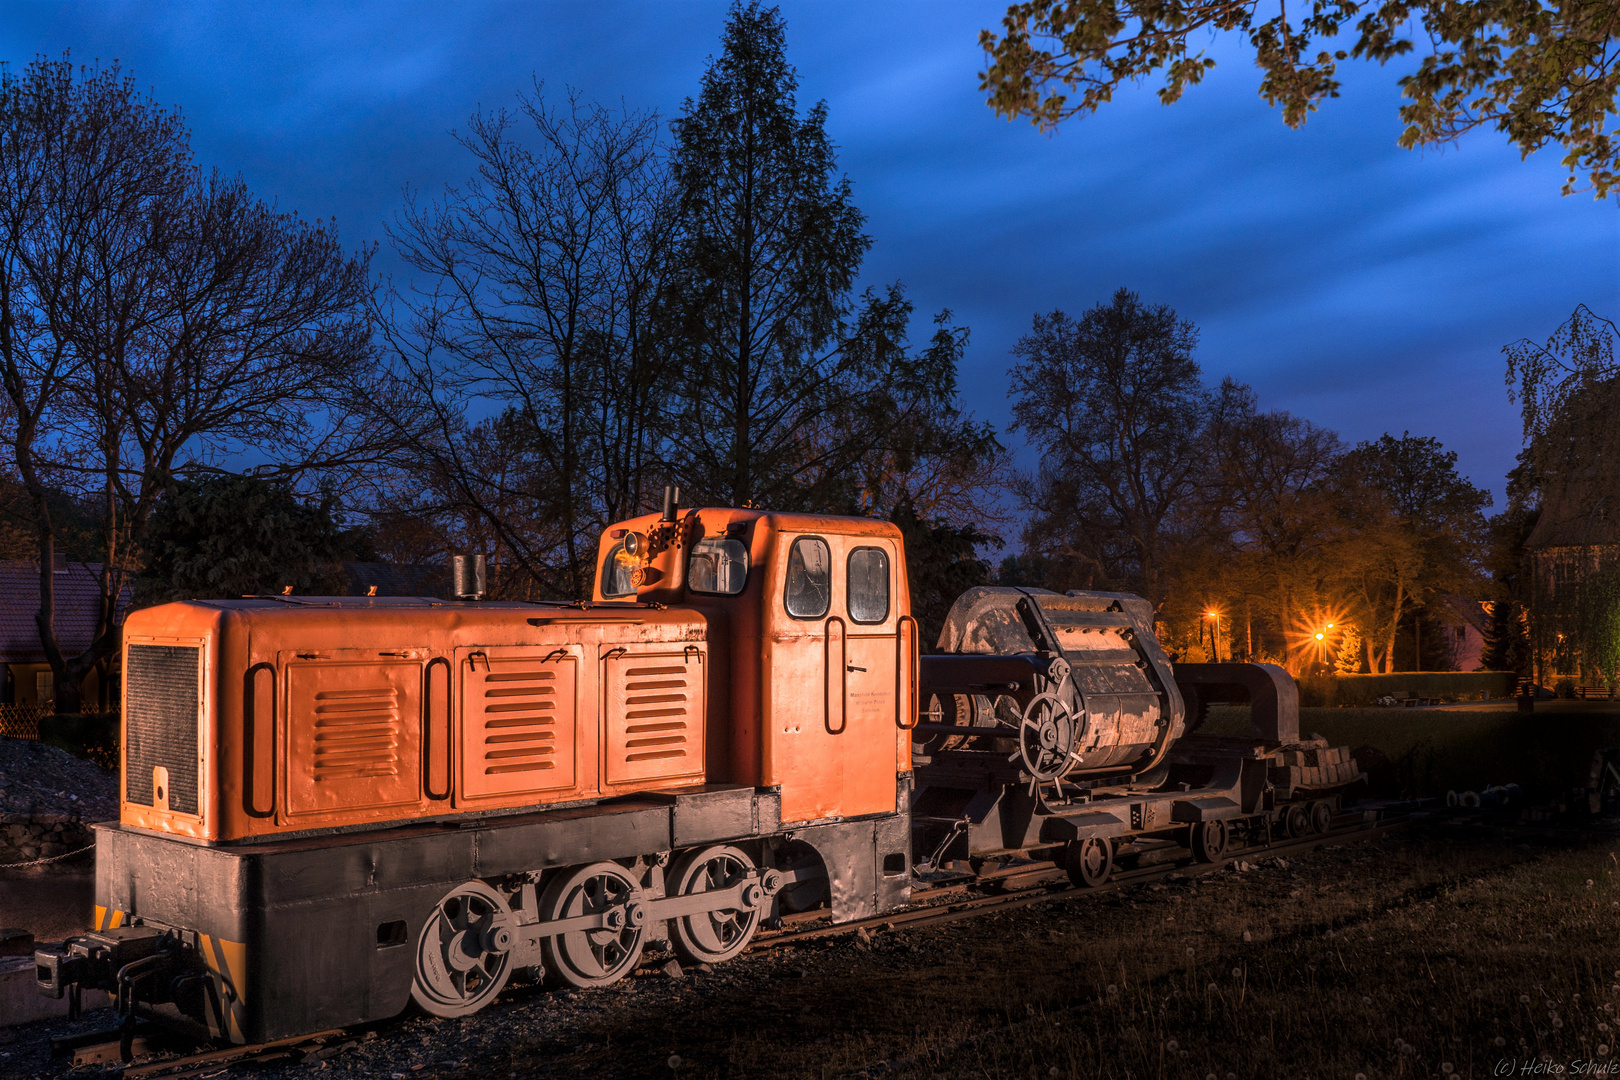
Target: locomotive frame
333,807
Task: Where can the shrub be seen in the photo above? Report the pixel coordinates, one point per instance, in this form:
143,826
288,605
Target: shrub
1355,691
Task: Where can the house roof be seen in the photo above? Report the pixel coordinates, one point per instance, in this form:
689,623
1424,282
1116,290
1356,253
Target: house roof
78,601
1576,519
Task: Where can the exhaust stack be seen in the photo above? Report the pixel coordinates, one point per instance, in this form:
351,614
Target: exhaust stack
467,578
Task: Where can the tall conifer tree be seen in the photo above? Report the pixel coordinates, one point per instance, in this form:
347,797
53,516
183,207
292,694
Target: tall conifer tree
778,367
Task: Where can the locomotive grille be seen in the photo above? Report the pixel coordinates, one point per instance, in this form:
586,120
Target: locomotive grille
160,723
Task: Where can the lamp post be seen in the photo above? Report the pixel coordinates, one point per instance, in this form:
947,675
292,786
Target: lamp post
1215,634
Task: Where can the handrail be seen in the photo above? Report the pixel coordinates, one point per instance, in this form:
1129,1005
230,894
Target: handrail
905,671
843,677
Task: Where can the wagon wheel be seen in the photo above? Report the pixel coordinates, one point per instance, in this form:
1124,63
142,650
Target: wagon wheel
708,937
1089,862
1321,816
1046,737
1296,819
464,953
601,956
1208,840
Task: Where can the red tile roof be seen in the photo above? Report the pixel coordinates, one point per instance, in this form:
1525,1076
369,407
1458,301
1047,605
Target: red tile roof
78,599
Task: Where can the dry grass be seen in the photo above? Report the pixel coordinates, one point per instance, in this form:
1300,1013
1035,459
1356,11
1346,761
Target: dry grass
1392,958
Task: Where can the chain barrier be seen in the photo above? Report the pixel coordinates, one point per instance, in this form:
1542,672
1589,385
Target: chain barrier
53,858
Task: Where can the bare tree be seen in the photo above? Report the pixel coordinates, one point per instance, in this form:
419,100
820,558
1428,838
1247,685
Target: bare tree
529,346
154,321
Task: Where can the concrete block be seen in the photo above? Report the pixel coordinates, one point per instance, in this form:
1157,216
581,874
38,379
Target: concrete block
22,1003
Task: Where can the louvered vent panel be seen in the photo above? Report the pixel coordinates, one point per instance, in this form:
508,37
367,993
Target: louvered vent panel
654,716
518,726
356,733
160,723
353,735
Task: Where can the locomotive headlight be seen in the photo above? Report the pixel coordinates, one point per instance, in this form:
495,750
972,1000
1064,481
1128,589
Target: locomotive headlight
633,543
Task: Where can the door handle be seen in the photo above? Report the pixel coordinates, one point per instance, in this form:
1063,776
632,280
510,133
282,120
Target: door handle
852,667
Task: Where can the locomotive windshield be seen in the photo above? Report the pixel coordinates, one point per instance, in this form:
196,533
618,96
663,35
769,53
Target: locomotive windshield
868,582
809,578
616,572
718,566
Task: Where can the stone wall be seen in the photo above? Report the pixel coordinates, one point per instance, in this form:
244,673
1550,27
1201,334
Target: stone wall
25,837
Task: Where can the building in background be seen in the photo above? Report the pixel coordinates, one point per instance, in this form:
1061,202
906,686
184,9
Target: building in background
26,679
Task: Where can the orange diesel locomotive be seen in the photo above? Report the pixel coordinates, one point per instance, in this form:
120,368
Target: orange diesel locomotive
334,806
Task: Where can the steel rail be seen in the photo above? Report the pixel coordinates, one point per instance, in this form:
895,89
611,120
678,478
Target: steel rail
1039,892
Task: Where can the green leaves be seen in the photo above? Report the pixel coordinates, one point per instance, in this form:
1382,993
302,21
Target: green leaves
1537,72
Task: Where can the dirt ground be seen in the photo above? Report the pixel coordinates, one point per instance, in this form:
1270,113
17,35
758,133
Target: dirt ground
1421,954
51,901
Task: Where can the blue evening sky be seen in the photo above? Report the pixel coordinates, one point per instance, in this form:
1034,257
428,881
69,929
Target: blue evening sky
1364,287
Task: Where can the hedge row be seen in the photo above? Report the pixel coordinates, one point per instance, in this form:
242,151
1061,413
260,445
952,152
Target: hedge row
1319,691
92,736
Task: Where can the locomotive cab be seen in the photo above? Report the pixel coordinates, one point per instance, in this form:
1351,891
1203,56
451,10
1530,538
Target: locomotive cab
815,693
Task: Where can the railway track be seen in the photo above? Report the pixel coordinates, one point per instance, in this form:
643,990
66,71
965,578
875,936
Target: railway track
1018,886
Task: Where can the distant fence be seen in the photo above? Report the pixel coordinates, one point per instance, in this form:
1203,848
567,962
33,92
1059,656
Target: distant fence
21,721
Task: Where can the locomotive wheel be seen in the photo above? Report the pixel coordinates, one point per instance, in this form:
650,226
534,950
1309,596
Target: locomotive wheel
1321,817
709,937
1208,840
463,956
1089,862
1296,820
600,957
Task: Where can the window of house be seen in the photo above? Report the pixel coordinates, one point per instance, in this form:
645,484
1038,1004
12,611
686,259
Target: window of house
868,585
809,578
45,687
616,572
718,566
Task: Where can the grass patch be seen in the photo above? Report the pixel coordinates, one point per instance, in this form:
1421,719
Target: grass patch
1432,751
1455,978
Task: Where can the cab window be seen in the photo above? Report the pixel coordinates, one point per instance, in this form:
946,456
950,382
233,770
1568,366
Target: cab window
809,578
616,572
868,585
718,566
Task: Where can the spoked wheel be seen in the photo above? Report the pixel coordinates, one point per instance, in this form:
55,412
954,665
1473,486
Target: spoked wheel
709,937
1321,817
602,956
1089,862
1296,820
1209,840
1046,737
464,954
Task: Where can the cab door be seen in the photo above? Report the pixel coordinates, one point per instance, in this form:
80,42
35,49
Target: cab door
868,680
831,670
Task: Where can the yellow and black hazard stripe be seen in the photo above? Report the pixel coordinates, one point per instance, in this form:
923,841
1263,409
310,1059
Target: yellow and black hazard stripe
227,964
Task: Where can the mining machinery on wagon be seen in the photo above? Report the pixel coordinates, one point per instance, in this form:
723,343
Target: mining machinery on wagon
333,808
